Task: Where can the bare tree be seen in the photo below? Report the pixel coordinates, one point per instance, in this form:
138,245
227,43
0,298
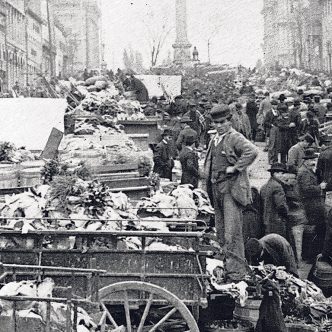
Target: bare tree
158,30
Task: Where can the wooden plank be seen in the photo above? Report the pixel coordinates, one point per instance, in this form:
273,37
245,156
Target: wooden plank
51,149
102,169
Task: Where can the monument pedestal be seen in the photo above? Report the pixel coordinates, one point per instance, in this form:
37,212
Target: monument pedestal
182,54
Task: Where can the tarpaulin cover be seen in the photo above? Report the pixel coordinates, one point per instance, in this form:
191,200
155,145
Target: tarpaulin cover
29,121
159,85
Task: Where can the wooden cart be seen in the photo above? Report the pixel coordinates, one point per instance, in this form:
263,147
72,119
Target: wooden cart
142,289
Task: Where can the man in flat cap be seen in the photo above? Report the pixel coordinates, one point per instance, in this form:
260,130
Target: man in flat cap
228,156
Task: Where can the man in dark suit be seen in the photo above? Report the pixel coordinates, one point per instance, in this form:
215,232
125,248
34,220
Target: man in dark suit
324,163
162,156
228,156
311,193
186,131
275,208
189,162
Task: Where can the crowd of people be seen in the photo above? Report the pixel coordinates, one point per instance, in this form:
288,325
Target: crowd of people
225,123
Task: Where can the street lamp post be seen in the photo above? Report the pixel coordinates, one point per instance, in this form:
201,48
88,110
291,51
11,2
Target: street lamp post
214,32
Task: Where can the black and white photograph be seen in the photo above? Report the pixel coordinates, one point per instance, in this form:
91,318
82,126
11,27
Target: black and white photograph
165,165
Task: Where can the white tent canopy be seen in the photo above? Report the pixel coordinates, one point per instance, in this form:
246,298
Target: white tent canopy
158,85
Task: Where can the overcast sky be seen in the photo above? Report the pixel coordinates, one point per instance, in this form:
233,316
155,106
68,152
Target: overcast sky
235,28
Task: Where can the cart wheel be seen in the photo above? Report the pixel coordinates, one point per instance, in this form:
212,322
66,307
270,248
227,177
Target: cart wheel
145,324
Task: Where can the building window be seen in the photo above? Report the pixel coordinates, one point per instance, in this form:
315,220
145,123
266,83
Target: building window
33,52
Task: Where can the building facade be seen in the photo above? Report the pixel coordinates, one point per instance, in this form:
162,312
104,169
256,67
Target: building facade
278,43
327,35
34,44
3,54
47,38
293,33
15,42
81,22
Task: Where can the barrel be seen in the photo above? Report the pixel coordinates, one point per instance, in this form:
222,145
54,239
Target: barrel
8,176
322,276
33,164
248,313
30,177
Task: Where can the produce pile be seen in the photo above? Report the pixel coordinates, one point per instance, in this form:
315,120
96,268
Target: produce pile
105,100
38,310
11,154
182,202
229,325
71,203
302,301
97,134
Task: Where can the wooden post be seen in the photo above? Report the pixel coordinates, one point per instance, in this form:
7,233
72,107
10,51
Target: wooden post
68,313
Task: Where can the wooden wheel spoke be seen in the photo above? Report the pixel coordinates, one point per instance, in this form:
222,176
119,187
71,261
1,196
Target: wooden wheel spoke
110,317
164,319
127,311
145,313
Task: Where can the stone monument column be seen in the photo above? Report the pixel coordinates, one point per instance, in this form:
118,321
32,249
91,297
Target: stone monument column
182,54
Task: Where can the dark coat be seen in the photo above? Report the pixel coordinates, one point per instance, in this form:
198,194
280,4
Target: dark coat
163,162
269,121
324,167
327,250
296,213
295,117
140,89
285,134
311,195
252,111
278,251
190,168
197,121
240,153
275,208
271,318
311,128
184,133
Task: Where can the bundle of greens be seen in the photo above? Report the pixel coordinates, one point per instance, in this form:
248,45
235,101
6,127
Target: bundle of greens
95,198
54,168
65,186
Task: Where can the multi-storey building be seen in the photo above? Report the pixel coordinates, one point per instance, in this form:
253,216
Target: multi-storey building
327,35
278,41
34,42
3,55
15,41
81,20
293,33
